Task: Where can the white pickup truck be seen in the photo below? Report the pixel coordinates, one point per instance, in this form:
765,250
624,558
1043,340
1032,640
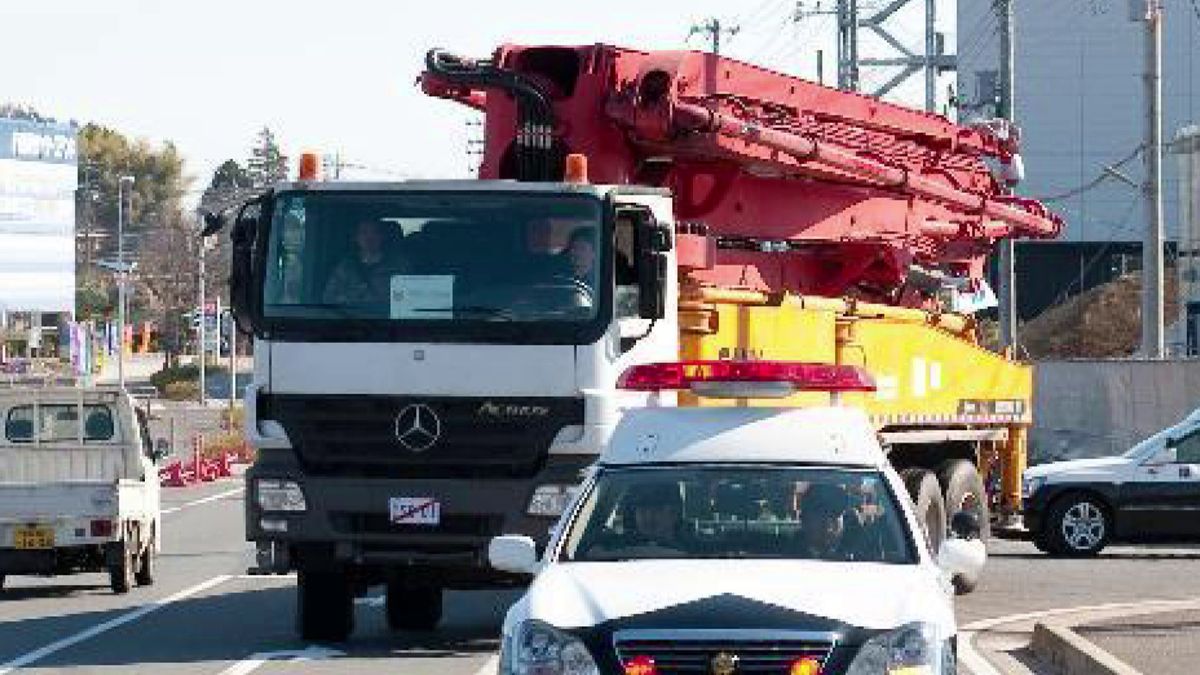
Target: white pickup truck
78,485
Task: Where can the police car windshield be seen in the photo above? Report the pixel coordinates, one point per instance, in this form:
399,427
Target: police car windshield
768,512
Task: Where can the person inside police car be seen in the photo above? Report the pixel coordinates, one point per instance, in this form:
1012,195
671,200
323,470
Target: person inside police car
652,516
828,524
364,276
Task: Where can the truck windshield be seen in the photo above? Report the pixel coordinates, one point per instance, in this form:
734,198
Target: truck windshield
810,514
437,261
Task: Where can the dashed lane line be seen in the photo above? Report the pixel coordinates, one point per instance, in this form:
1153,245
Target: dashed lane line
256,661
101,628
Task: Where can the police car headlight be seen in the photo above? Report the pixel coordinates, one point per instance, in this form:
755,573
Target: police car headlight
537,648
280,495
909,650
551,500
1031,485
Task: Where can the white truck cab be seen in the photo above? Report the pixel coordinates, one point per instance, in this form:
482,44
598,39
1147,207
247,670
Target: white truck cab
1151,492
732,539
78,487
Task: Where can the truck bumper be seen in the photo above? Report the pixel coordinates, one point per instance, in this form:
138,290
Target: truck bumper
62,560
347,522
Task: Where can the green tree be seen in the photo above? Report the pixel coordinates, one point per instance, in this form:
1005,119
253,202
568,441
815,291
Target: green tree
267,164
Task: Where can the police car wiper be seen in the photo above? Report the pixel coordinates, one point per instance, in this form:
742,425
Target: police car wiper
341,309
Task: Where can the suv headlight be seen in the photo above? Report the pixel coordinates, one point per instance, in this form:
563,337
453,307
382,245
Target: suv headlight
537,648
909,650
280,495
551,500
1031,485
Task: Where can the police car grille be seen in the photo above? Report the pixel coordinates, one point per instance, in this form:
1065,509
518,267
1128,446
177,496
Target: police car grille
696,656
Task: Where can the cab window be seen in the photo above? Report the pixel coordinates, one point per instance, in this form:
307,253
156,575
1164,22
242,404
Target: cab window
59,423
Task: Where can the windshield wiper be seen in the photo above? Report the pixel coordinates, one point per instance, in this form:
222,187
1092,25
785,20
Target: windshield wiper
490,312
340,309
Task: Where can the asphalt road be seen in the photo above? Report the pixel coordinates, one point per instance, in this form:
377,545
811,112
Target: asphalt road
205,616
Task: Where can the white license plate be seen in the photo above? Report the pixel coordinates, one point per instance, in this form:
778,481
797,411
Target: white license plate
415,511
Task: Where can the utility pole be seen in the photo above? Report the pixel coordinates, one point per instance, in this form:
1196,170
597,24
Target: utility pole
201,310
713,29
1006,274
1152,248
122,276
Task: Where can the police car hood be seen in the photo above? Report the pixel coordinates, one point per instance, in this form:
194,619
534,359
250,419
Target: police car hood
864,595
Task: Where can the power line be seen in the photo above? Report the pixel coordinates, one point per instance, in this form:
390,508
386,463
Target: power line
1108,172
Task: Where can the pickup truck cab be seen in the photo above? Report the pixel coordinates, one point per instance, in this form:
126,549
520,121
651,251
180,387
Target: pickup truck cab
738,539
78,487
1149,493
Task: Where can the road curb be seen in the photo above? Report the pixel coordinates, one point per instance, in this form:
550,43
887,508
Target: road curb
1056,645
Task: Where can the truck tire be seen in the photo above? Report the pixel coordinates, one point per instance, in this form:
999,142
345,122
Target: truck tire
121,567
926,495
1078,525
145,568
964,491
324,606
413,606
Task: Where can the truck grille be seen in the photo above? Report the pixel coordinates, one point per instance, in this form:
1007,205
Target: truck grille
478,437
683,654
451,524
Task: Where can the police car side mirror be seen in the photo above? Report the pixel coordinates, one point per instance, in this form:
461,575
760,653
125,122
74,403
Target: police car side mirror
966,525
965,557
513,553
1162,456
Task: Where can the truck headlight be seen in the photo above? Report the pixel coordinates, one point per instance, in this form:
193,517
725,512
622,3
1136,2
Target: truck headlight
1031,485
537,648
280,495
551,500
912,650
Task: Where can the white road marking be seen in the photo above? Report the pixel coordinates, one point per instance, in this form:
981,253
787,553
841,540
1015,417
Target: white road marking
371,601
291,576
256,661
491,667
206,500
98,629
980,666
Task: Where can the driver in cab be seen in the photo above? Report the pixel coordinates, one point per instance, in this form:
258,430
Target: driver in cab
364,276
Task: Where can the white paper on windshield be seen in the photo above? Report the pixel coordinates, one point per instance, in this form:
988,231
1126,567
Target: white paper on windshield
422,296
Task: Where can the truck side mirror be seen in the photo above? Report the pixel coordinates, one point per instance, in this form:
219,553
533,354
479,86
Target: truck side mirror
652,241
513,553
244,237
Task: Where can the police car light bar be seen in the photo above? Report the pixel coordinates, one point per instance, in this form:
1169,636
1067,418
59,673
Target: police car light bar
746,379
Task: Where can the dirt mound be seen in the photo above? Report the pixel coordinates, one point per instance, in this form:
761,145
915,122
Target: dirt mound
1103,322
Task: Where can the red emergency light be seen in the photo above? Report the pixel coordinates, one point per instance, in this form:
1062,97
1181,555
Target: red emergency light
746,379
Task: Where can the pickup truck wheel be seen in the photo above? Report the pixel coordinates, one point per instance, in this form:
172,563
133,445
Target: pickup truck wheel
926,495
964,492
121,570
145,570
324,606
1078,526
413,607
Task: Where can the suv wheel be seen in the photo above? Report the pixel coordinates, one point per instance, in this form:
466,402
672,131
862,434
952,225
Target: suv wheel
1078,525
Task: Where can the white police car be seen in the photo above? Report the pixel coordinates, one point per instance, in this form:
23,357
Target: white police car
729,540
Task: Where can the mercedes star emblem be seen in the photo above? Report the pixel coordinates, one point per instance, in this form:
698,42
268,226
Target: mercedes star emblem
418,427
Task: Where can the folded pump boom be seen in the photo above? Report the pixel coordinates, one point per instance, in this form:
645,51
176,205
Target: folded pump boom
780,184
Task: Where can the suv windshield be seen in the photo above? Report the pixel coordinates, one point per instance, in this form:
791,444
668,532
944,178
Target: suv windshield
436,260
810,514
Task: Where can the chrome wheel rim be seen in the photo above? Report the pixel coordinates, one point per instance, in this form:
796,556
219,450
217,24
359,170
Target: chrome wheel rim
1083,526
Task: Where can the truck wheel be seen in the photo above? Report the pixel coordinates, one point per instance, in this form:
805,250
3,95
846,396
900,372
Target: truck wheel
964,492
145,570
1078,526
926,495
413,607
324,606
121,568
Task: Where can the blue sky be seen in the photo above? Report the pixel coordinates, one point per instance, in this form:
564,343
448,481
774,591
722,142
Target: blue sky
329,76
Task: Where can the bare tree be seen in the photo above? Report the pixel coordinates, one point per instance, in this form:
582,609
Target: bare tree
168,273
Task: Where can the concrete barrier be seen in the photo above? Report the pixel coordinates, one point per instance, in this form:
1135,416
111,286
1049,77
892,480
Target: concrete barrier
1058,646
